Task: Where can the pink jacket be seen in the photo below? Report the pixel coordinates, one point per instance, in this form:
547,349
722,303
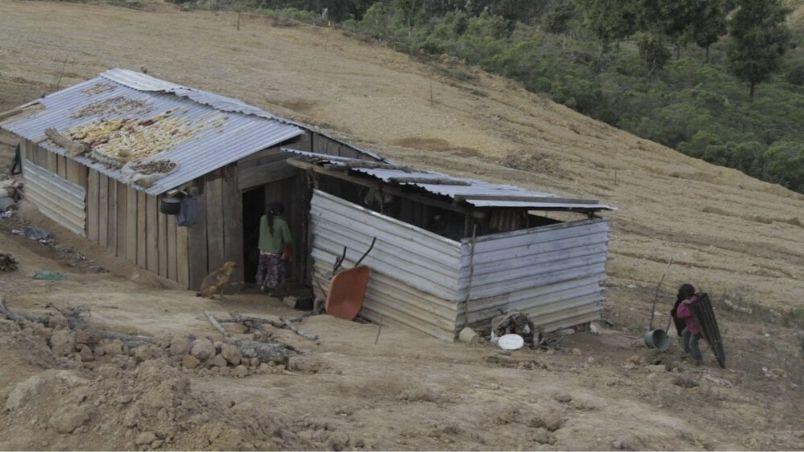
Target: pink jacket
685,312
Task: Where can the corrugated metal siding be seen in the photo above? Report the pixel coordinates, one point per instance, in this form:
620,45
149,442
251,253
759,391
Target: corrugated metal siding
57,198
422,259
552,273
419,279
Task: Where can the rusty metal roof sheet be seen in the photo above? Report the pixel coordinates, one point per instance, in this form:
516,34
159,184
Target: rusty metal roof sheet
472,191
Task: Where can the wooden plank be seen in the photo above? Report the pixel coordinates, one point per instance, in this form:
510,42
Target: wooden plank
161,243
131,225
52,162
171,248
197,245
122,219
233,222
61,166
141,227
182,257
41,157
214,213
92,206
151,234
103,210
265,174
112,217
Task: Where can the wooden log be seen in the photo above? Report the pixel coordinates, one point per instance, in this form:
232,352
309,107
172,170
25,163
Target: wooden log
182,257
428,181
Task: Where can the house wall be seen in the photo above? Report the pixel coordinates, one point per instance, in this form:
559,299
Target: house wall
552,273
56,185
415,273
423,281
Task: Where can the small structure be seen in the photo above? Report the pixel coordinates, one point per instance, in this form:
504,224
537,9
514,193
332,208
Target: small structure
99,157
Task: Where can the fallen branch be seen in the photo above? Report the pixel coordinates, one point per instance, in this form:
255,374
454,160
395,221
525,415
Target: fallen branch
264,351
251,322
74,322
20,316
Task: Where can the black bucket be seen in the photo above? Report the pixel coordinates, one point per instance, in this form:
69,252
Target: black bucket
170,205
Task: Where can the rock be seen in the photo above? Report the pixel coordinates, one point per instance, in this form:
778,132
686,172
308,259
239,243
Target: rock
635,359
548,418
542,436
657,368
85,337
563,397
216,361
566,331
190,362
179,345
218,345
231,354
255,362
338,441
145,438
57,321
594,328
264,367
202,349
468,336
7,326
575,351
110,347
62,342
626,442
85,353
69,417
42,331
241,371
684,381
235,328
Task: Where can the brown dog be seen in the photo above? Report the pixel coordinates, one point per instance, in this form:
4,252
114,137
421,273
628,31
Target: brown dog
215,282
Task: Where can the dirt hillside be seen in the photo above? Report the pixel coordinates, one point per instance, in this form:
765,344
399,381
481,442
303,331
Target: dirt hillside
728,232
365,387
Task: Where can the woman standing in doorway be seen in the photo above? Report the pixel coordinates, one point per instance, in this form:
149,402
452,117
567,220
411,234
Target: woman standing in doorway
274,248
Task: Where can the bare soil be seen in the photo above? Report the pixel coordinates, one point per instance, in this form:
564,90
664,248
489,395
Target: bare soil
737,238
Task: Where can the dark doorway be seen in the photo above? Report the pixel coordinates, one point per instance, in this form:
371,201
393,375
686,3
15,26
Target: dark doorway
253,207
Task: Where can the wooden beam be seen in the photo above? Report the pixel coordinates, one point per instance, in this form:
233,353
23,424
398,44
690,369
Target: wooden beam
428,180
522,198
151,234
380,186
264,174
92,206
131,224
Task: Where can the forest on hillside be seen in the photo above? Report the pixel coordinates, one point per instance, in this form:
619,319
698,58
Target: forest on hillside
721,80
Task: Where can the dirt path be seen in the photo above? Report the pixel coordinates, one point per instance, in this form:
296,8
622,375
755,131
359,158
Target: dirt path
733,235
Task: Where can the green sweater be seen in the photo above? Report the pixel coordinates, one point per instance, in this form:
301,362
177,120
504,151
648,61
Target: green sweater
272,243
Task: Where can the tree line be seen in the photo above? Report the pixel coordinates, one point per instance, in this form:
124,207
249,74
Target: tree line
684,73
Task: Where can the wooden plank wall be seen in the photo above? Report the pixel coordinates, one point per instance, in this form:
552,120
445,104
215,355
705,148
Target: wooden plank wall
217,237
128,223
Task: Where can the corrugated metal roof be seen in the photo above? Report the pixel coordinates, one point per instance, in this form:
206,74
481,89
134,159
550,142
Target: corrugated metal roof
225,129
472,191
